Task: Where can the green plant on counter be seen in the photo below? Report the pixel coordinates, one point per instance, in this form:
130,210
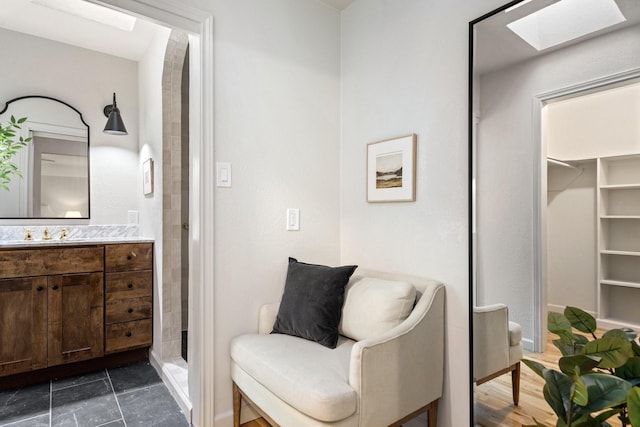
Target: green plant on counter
598,377
8,148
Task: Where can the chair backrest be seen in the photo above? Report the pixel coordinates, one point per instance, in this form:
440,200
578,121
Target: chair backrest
490,340
423,285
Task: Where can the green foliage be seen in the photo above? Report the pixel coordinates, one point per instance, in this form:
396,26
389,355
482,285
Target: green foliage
598,378
633,405
8,148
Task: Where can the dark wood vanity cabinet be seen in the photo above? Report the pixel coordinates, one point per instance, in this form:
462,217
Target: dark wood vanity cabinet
129,287
60,305
23,324
76,317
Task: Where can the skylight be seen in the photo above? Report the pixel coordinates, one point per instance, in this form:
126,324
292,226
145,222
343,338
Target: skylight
92,12
566,20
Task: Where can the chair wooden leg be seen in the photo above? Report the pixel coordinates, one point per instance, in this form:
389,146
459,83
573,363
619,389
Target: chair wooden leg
237,403
515,383
432,414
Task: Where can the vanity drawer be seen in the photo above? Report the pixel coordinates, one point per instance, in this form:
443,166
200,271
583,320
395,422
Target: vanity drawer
128,284
125,310
51,261
128,256
128,335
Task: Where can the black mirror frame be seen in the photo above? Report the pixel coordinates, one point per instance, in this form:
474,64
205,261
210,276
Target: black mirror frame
6,107
470,126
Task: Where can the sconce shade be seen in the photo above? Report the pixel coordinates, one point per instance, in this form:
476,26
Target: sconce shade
115,124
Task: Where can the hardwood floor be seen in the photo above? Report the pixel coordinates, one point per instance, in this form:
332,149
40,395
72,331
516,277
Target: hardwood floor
494,404
256,423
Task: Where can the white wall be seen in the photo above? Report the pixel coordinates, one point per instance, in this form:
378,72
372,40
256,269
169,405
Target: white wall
277,69
86,80
599,124
506,159
404,70
150,146
572,249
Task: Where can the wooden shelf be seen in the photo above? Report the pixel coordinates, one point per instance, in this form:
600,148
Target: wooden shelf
620,187
620,283
616,323
624,253
618,204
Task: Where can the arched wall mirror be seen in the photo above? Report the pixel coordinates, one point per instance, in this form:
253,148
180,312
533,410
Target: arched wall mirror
53,179
554,143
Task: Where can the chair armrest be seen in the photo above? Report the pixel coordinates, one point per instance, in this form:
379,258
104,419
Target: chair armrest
490,340
402,370
268,314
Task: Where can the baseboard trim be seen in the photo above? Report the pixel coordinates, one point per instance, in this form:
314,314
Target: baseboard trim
527,344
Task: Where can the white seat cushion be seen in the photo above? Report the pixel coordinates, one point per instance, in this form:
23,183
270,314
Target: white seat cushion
373,306
309,377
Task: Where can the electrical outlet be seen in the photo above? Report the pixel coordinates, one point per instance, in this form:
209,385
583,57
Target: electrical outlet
133,217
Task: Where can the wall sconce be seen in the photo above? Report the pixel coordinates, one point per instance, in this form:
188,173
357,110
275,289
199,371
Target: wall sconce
115,124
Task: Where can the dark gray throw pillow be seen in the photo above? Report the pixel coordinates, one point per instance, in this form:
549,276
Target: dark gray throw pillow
311,304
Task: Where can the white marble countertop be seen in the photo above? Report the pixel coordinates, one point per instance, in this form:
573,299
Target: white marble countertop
9,244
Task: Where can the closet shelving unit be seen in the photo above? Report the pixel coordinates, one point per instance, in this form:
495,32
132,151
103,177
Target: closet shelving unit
619,241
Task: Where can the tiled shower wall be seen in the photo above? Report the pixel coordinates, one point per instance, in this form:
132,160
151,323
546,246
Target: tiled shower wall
172,195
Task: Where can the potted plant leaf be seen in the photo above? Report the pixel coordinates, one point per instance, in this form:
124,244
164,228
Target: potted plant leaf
8,148
597,379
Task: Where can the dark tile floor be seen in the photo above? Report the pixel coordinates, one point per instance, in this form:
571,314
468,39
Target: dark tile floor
129,396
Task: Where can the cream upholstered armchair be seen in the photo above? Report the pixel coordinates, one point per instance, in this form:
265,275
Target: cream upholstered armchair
378,375
497,346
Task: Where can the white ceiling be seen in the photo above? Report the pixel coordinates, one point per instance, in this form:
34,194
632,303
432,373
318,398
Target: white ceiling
498,47
339,4
27,17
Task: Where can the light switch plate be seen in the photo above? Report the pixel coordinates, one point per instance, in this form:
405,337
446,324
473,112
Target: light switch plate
223,174
293,219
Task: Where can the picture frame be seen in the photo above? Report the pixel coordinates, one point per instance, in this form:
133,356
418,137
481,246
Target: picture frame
391,170
147,177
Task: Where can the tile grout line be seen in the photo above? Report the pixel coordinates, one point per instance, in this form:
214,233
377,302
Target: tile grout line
144,387
113,390
76,385
50,403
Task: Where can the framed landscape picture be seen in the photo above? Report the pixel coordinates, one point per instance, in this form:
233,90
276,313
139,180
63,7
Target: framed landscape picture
147,177
391,170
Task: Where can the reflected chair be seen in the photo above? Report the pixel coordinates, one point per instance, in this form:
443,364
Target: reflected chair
497,346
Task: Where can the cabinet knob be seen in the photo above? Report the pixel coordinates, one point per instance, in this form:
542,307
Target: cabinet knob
39,289
130,311
128,334
131,256
130,286
54,287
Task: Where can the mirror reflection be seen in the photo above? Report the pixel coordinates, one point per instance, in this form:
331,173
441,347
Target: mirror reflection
555,149
53,178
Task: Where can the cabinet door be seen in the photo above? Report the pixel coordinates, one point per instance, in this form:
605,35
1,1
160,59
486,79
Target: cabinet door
76,317
23,325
